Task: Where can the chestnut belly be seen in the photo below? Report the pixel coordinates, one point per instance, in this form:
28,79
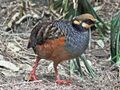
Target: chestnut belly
54,50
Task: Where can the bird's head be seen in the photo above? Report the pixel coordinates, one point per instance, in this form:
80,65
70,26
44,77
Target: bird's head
85,20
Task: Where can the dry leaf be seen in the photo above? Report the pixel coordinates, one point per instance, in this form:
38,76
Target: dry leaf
9,65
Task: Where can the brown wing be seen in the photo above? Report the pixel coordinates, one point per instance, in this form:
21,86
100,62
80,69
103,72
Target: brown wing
42,32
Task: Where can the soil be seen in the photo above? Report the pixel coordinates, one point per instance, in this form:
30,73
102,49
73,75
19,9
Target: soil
13,49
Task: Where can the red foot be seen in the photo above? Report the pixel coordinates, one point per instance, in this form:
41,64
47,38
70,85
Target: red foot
32,77
66,82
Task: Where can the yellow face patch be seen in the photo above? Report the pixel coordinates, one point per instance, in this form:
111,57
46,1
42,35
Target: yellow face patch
86,16
76,22
87,26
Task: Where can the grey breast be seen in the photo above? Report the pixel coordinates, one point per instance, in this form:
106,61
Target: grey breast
76,41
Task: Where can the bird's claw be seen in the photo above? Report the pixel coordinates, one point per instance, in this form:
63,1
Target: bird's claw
61,82
32,77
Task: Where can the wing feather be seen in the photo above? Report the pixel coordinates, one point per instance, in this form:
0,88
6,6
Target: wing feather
44,31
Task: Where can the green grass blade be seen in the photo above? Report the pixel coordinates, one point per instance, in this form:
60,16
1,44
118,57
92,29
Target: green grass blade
115,38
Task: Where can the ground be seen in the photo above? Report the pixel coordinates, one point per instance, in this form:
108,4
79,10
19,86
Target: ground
13,49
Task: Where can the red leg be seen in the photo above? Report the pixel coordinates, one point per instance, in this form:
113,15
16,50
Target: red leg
47,72
32,75
57,78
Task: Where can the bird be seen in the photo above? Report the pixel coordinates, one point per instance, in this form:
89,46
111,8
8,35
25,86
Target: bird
60,40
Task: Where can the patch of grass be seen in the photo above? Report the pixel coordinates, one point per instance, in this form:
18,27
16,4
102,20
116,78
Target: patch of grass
115,39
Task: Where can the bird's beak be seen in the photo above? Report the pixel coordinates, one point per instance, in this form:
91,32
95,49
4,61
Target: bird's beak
96,21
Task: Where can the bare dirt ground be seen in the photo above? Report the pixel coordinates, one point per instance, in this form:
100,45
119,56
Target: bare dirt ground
13,50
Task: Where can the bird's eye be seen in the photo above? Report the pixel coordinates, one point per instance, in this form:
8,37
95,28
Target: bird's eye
88,21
